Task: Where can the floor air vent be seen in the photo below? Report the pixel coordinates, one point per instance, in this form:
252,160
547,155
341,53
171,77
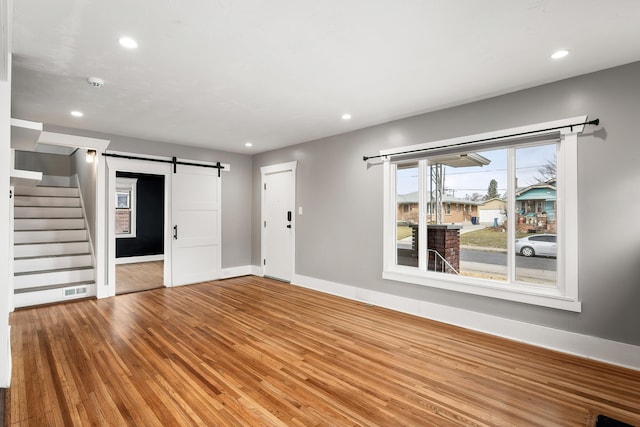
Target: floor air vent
70,292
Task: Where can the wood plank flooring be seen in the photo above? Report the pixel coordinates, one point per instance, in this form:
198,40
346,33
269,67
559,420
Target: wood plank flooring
251,351
139,276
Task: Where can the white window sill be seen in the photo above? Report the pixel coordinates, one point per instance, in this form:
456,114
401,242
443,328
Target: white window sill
534,295
125,236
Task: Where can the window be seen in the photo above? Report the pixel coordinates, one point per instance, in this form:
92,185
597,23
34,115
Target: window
525,248
125,207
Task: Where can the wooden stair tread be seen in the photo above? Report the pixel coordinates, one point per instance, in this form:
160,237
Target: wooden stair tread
50,256
56,286
58,270
51,243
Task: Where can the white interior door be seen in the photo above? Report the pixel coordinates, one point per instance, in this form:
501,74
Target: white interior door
196,243
279,224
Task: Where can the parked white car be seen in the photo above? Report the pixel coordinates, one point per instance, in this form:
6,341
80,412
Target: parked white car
537,245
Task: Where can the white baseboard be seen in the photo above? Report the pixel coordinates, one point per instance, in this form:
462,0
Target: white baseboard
600,349
243,270
136,259
256,270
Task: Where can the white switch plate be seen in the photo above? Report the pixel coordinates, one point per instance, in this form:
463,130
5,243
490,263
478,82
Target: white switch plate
299,210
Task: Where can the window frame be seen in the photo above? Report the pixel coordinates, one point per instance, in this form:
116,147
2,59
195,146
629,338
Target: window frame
565,295
128,185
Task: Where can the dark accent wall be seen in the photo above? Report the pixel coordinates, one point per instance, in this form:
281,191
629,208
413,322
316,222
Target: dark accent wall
149,238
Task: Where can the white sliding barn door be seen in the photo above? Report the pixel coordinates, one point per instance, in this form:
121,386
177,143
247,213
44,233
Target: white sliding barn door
196,213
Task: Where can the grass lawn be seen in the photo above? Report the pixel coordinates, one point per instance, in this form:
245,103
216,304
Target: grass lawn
487,237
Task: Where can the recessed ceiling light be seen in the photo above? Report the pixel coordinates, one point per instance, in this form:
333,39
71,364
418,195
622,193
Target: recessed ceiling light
559,54
346,116
76,113
248,144
128,42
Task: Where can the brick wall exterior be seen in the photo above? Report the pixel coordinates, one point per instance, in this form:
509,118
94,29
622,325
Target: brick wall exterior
445,239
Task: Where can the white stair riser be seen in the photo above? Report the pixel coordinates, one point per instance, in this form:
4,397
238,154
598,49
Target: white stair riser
39,212
48,249
73,202
48,224
42,236
47,296
27,281
51,263
46,191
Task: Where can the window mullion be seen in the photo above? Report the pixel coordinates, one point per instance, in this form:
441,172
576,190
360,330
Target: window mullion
423,200
511,214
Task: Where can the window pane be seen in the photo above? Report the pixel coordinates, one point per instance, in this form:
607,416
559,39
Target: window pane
536,218
123,221
123,200
471,239
407,210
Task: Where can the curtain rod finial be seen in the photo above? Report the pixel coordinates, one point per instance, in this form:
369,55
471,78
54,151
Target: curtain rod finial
365,158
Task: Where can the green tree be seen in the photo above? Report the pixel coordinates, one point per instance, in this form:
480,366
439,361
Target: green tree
492,191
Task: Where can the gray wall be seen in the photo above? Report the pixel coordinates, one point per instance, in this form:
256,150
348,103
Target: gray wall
339,237
236,186
48,164
87,176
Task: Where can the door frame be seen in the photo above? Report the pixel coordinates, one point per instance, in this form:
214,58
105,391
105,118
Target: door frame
264,171
136,166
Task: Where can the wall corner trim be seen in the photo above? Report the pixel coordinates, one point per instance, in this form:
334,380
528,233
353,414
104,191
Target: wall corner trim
600,349
242,270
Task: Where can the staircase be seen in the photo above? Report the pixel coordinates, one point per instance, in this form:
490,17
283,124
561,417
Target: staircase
52,257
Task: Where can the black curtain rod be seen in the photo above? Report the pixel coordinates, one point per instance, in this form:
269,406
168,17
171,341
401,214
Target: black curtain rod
594,122
174,161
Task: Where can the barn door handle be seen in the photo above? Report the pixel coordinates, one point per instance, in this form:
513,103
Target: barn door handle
288,215
175,232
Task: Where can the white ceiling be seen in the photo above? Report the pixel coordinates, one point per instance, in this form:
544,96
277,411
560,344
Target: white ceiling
219,73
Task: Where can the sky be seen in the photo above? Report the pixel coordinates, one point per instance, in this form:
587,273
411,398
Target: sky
463,182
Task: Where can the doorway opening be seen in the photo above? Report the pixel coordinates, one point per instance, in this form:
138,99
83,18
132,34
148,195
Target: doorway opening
139,231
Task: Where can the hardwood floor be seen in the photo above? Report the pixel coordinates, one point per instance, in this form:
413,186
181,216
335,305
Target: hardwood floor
251,351
140,276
